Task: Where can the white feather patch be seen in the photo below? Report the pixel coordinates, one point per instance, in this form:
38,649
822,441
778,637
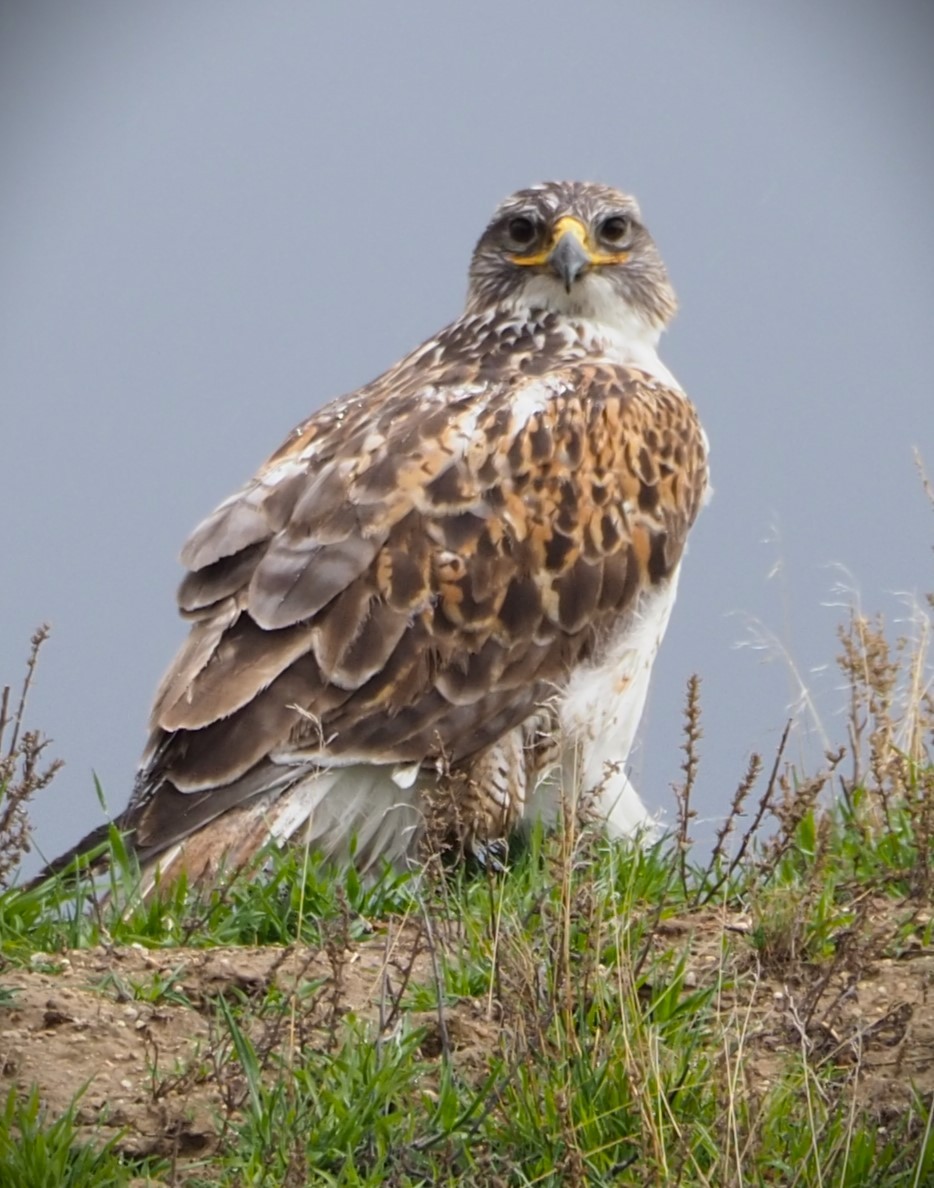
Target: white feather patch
602,707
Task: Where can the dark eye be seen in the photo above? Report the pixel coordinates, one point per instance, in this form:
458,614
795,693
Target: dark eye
615,229
522,231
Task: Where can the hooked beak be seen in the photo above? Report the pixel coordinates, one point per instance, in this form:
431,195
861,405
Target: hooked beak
569,257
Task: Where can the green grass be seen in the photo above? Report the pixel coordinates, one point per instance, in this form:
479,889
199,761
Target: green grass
604,1059
41,1152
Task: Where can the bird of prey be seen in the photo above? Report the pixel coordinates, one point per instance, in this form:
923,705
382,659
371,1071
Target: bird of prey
445,591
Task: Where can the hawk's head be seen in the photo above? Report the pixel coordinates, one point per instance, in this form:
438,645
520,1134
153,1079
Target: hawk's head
576,248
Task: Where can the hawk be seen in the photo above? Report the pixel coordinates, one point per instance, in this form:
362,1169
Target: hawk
447,588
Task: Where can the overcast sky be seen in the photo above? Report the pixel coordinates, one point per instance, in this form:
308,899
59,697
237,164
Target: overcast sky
216,216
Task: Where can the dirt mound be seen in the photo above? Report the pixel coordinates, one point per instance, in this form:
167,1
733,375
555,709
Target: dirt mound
140,1033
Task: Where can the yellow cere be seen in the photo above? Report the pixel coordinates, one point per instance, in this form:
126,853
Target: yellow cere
569,225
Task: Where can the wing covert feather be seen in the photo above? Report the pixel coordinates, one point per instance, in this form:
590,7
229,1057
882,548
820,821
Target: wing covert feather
411,580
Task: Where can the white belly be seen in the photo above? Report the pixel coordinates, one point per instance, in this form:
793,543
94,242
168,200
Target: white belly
600,712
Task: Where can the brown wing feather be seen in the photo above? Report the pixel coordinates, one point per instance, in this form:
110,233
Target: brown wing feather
442,589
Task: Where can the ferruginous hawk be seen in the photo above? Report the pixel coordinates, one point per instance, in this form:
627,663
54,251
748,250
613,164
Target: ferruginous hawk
449,586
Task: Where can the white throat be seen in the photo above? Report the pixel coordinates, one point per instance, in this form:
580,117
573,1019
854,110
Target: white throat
612,327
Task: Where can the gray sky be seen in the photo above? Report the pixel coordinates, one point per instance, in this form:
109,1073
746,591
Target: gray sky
214,217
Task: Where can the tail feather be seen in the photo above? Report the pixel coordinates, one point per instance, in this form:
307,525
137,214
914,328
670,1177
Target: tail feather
90,842
356,813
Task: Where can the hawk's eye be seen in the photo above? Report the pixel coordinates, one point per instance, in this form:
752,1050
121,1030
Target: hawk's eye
522,231
615,229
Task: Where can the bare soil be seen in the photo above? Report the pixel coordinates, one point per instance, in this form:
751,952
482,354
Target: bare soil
137,1031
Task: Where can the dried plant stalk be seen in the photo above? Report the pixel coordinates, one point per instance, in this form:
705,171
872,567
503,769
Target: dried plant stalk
23,771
